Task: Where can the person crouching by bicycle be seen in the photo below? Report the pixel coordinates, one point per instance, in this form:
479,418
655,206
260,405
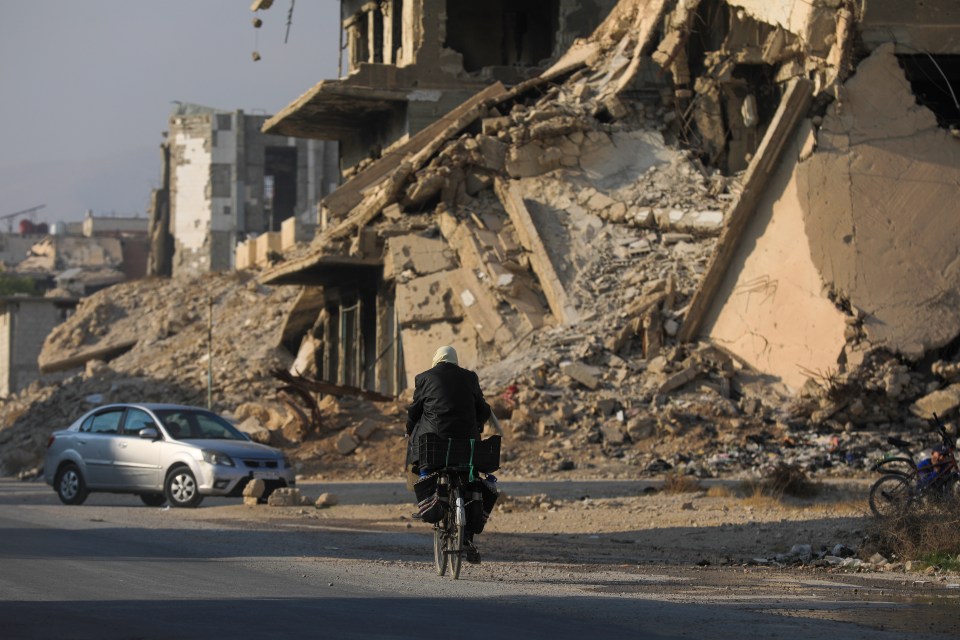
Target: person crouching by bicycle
930,468
448,402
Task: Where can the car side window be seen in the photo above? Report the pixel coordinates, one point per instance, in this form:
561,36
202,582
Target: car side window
87,424
107,422
135,420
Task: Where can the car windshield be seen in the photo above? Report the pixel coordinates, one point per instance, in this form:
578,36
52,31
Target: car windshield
187,424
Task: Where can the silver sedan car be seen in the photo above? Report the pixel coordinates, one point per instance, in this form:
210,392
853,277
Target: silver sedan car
161,452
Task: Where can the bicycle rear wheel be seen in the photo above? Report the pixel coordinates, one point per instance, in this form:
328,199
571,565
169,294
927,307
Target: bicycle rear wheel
439,544
890,496
455,539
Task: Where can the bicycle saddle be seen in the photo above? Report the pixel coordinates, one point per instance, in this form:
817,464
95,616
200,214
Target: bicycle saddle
897,442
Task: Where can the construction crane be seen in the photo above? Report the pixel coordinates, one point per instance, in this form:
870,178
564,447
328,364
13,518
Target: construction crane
30,213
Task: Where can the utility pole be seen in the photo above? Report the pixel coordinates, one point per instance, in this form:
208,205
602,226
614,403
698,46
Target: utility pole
210,355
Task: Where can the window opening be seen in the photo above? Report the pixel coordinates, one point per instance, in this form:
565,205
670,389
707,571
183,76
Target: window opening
935,81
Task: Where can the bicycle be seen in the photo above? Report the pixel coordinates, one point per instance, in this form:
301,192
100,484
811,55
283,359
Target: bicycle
453,463
905,483
448,533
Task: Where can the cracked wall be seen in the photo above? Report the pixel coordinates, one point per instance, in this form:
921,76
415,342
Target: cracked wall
880,198
774,315
860,209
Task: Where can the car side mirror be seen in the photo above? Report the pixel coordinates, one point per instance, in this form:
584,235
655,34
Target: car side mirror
149,433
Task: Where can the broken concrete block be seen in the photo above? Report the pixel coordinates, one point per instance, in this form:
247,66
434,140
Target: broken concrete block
547,426
673,238
326,500
366,428
392,212
599,201
251,501
346,443
477,181
612,432
502,278
255,429
678,379
641,428
285,497
616,107
493,153
606,406
427,299
254,488
524,161
941,402
582,373
617,212
422,255
491,126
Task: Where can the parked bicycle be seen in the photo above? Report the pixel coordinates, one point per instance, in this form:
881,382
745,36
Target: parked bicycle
458,492
906,483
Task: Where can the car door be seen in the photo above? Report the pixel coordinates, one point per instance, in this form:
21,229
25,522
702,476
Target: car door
137,460
96,442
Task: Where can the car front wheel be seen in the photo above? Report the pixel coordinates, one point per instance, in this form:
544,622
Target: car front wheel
181,488
71,489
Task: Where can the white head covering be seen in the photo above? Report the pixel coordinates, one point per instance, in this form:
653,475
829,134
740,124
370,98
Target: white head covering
445,354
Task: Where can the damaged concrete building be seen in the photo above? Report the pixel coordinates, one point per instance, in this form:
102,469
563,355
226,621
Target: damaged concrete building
25,322
223,180
774,178
409,62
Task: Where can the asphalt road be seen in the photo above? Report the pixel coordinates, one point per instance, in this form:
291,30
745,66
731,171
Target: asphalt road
114,569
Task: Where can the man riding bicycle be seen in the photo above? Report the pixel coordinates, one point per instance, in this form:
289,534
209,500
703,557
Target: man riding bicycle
448,402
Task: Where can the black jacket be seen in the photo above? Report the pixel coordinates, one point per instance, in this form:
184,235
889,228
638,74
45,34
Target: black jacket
447,401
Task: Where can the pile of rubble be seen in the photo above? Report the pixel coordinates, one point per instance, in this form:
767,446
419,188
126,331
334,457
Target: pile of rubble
151,341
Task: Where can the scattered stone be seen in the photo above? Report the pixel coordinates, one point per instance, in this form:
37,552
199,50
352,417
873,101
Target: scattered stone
347,443
254,488
581,373
327,500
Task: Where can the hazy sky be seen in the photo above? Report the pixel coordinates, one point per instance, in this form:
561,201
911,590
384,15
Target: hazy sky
87,86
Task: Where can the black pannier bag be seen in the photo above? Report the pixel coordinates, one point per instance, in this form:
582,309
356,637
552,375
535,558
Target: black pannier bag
481,497
428,493
434,451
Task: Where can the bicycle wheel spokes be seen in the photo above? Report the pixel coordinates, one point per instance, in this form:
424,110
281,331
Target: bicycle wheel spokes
890,496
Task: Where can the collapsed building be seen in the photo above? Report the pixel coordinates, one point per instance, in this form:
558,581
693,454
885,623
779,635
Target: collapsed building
816,141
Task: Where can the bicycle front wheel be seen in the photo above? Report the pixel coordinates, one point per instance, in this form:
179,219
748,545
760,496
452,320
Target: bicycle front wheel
890,496
439,554
455,539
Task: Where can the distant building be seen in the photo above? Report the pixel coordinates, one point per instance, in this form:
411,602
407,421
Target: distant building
225,180
25,322
117,226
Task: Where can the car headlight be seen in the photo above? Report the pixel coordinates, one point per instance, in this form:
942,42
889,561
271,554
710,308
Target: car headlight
215,457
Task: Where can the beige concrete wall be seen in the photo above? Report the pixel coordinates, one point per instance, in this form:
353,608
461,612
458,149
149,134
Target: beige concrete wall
419,346
265,243
246,254
775,315
881,200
